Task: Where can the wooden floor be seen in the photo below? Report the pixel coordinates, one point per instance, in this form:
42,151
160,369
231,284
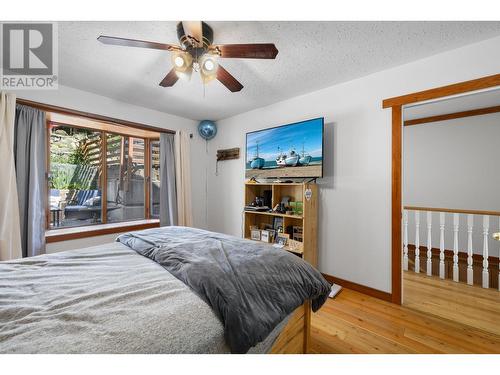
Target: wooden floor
471,305
356,323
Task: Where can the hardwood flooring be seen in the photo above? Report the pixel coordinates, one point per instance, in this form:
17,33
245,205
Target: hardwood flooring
357,323
468,304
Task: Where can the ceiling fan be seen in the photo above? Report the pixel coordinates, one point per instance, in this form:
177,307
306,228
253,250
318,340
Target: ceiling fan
196,52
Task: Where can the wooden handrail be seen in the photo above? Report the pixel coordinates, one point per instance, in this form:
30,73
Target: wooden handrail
453,210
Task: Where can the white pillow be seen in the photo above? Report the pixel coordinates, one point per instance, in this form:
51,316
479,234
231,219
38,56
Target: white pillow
95,201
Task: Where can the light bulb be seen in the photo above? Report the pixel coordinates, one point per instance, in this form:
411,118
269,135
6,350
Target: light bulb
179,61
209,65
208,69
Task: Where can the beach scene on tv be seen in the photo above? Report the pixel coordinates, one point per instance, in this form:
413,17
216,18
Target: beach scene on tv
294,151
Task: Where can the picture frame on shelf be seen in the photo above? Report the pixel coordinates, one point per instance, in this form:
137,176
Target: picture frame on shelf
295,246
297,233
255,234
282,239
264,236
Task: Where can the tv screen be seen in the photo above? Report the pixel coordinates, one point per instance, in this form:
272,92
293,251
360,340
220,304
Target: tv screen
293,151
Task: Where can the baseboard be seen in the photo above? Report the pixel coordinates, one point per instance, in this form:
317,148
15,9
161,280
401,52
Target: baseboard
359,288
492,260
477,265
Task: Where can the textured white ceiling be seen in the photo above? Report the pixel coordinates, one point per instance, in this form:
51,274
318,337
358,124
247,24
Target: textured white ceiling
484,99
312,55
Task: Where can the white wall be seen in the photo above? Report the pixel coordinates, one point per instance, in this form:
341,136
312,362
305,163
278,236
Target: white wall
453,164
355,201
85,101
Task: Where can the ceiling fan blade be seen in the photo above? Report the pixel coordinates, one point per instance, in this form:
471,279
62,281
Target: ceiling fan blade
136,43
246,51
228,80
170,79
194,29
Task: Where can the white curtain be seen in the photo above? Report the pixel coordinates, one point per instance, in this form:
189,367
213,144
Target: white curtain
183,179
10,237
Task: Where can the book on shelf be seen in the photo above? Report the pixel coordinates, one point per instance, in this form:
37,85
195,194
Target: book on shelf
256,208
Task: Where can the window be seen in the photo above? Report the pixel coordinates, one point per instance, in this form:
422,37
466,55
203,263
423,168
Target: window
75,171
99,177
126,189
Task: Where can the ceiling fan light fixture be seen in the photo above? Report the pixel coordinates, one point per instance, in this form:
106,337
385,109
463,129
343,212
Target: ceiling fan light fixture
208,67
183,64
197,52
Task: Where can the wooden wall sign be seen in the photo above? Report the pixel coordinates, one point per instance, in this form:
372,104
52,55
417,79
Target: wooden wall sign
228,154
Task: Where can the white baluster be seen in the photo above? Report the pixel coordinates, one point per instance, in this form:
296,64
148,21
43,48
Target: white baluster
441,245
405,240
429,243
486,228
417,241
470,270
455,247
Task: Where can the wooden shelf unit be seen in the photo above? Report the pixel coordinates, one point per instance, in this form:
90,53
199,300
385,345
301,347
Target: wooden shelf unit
308,220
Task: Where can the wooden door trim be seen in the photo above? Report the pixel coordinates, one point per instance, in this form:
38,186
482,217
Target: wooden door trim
396,204
440,92
396,104
452,116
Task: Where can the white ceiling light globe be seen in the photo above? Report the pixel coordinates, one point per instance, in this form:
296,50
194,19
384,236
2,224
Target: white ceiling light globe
179,61
209,65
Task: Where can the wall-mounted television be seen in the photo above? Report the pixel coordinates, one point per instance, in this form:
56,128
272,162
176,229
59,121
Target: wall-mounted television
292,151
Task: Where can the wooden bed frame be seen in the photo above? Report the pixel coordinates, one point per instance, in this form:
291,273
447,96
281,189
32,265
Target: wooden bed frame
295,337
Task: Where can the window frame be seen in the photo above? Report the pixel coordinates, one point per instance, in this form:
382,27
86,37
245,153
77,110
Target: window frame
150,160
150,222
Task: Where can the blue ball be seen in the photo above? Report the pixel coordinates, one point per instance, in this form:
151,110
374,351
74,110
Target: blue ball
207,129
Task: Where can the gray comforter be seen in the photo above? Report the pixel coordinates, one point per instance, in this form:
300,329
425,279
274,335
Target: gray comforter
104,299
251,287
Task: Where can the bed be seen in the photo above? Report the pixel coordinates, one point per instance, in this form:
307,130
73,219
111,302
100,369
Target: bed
151,292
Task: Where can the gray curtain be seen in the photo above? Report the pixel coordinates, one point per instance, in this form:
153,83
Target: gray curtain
30,137
168,195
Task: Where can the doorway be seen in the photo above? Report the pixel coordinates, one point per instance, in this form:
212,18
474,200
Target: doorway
451,208
396,104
